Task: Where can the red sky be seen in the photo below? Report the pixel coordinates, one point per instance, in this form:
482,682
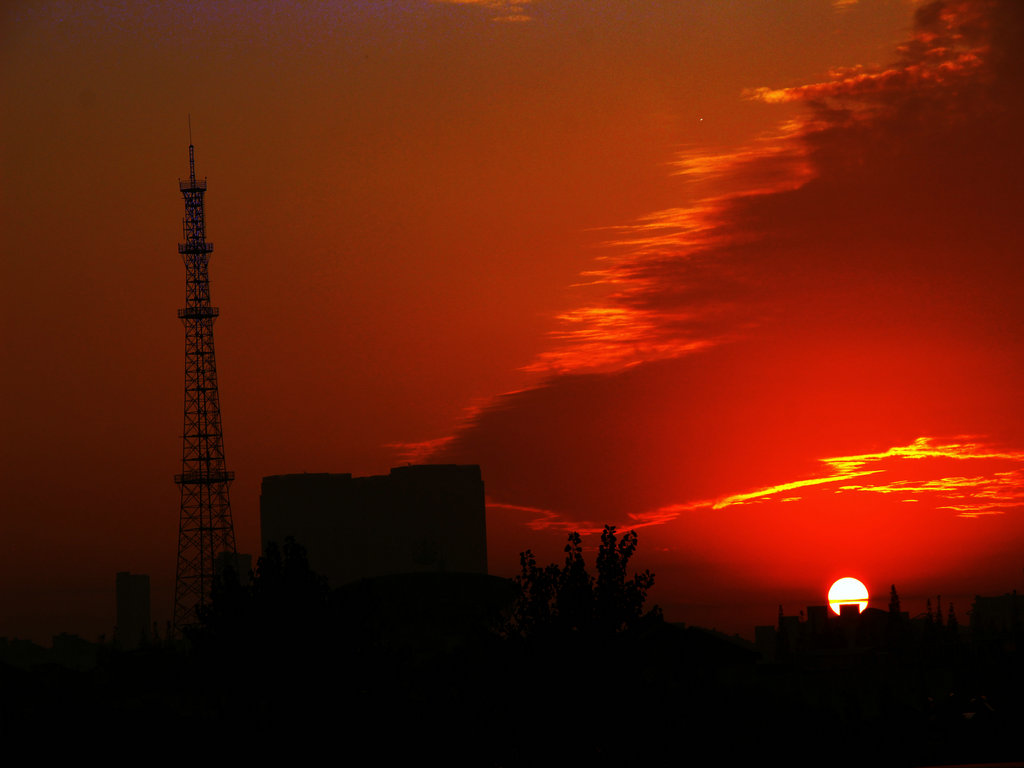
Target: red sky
743,275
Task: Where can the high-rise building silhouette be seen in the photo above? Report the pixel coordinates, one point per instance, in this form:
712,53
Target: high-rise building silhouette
133,614
415,519
205,530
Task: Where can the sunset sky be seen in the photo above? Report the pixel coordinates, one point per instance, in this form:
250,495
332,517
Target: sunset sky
743,275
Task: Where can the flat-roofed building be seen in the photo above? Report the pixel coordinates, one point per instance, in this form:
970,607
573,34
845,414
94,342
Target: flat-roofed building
423,518
133,616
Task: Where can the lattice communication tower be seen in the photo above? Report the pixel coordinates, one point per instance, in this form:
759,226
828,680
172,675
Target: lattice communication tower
206,535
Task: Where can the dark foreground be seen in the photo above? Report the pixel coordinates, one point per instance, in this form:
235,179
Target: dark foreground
425,670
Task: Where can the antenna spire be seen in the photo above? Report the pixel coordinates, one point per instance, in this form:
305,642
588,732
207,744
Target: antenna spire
191,152
206,534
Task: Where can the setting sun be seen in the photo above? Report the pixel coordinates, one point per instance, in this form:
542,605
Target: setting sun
848,591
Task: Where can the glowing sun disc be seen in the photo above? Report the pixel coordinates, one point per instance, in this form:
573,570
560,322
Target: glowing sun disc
848,591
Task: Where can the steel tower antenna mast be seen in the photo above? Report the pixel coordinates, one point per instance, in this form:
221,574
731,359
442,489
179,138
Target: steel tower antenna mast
205,530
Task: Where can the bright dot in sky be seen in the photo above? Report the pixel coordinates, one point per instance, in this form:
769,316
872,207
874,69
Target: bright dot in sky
848,591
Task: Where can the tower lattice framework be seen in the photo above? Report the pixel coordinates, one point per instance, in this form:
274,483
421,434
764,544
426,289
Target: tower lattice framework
205,530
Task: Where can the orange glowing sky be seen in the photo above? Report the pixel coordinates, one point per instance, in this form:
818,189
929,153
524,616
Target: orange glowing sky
746,276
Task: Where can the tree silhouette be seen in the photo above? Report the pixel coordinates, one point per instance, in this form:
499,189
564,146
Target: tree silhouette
284,604
618,601
563,599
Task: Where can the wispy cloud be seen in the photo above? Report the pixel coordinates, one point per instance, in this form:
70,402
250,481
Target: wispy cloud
774,491
417,452
964,475
540,519
860,84
597,339
503,11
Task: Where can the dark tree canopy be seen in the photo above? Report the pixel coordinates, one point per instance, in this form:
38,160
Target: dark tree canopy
283,603
557,599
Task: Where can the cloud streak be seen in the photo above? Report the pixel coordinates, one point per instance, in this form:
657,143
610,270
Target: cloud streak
924,467
505,11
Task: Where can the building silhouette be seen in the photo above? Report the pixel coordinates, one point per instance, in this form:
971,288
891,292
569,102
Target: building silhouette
416,519
133,614
998,620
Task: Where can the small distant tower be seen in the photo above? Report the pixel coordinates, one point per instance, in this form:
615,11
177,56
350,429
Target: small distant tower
132,610
894,601
206,535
